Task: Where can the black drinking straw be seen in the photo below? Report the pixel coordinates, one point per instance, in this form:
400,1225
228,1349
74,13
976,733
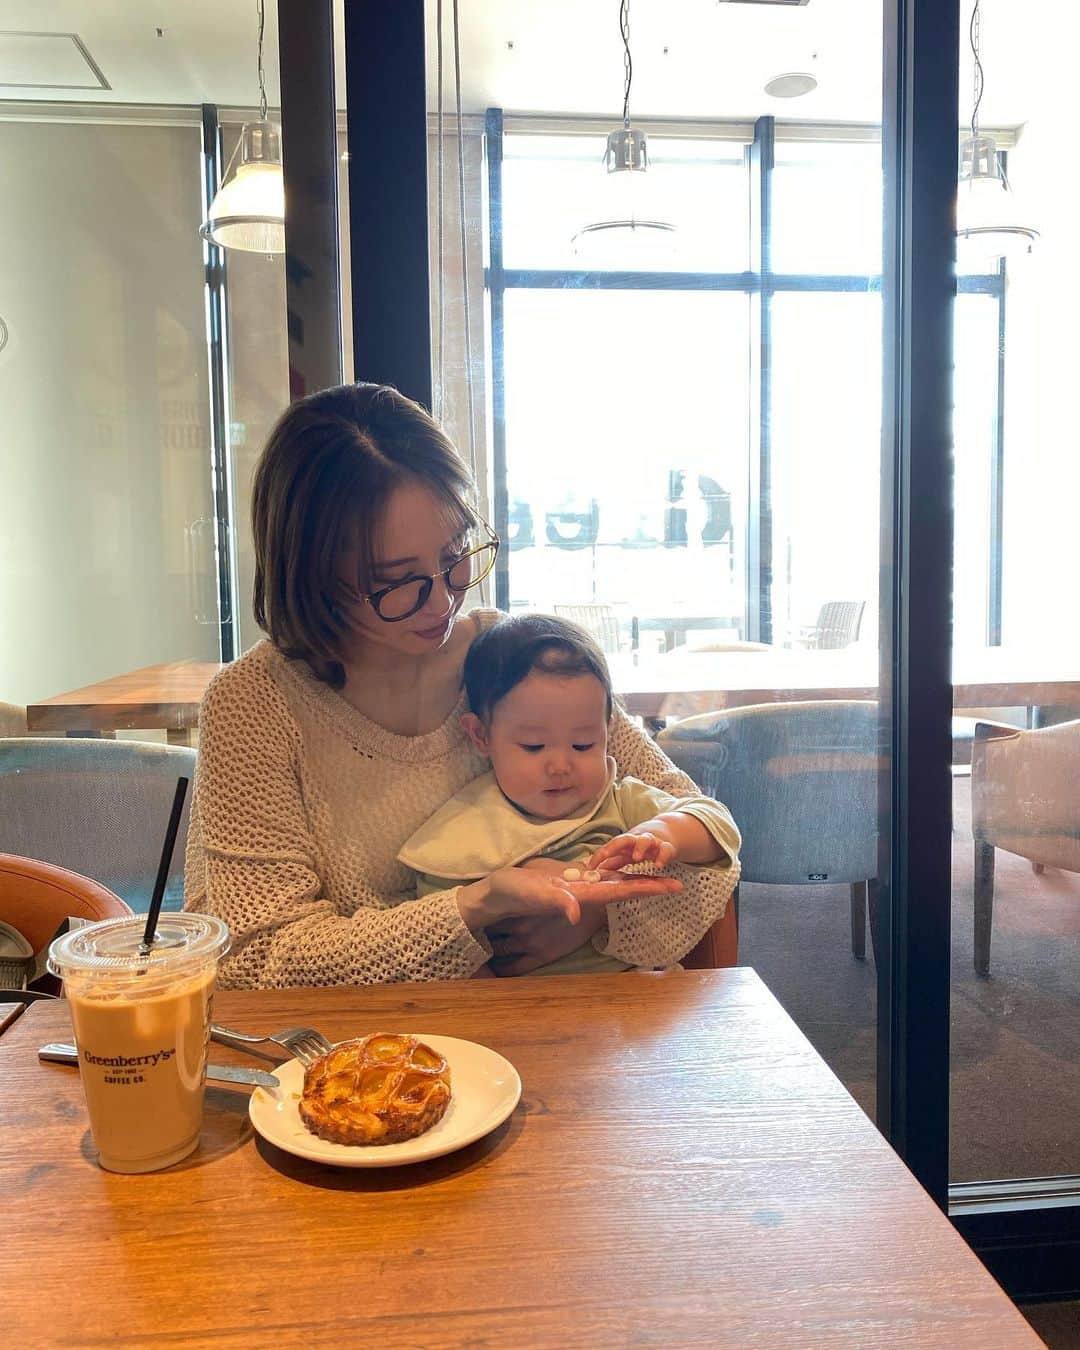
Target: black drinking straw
163,868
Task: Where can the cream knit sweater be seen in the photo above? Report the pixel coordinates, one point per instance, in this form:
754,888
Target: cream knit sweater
300,806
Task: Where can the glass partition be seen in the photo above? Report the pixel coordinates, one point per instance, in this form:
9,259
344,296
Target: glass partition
107,565
682,449
1015,1057
140,367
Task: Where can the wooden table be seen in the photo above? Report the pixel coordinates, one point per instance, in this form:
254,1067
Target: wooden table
156,696
683,683
682,1169
8,1013
669,685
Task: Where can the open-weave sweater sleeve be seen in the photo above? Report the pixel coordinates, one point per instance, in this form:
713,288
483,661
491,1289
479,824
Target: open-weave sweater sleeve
660,929
292,839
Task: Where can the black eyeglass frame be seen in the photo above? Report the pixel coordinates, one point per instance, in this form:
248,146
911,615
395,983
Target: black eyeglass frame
375,598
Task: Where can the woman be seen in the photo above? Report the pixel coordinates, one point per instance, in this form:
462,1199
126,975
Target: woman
325,747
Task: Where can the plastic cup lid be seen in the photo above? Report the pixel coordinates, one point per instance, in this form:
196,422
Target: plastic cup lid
112,946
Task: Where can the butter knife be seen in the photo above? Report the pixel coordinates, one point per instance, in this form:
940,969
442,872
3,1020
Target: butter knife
58,1052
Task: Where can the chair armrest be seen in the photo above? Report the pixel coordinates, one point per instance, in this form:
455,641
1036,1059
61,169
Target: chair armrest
994,731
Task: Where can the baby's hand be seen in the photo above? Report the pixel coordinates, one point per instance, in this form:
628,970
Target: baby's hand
635,846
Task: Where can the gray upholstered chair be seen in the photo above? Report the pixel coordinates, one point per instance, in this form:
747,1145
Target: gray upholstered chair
1023,800
801,781
96,807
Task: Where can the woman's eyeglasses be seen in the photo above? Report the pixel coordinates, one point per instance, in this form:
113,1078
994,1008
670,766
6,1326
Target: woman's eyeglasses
405,598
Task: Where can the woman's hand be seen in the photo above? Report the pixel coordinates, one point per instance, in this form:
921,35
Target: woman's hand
512,892
524,892
523,945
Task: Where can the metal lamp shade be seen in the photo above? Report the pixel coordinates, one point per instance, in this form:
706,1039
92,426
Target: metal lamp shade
987,222
627,231
248,211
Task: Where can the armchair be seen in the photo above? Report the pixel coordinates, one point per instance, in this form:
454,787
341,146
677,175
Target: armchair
801,781
1023,800
96,807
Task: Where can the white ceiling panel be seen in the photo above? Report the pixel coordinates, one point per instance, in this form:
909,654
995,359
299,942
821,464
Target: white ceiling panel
55,61
692,58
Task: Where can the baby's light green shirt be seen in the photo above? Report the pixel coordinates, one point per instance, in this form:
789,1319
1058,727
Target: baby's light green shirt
480,830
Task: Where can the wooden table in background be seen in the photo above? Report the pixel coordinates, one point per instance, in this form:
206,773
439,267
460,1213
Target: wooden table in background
682,683
165,696
682,1169
670,685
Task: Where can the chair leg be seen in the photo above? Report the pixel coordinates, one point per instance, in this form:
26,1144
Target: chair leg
873,890
984,905
1038,868
858,920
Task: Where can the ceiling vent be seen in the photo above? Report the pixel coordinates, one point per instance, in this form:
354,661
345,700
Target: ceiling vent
47,61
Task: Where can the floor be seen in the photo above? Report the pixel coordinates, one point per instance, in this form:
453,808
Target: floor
1015,1035
1057,1323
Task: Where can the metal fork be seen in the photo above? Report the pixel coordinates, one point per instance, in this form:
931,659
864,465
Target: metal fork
303,1043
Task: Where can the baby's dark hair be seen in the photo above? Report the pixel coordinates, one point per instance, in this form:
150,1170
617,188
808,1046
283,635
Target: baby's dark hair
502,656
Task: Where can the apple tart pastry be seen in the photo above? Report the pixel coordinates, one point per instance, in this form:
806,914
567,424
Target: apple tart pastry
380,1089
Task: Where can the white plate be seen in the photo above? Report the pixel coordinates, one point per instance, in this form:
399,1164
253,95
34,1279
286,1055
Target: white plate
485,1088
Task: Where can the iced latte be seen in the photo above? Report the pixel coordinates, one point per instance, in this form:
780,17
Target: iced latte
141,1025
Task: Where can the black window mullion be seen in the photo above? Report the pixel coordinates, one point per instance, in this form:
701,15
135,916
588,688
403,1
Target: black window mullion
388,210
217,348
759,526
496,285
310,170
995,563
919,283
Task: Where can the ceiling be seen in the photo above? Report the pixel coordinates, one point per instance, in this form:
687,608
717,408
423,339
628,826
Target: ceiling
692,58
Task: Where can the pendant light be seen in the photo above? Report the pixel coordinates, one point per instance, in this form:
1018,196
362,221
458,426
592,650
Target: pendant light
628,229
987,223
248,210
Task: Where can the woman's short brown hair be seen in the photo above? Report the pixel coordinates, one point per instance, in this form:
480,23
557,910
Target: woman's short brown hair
323,480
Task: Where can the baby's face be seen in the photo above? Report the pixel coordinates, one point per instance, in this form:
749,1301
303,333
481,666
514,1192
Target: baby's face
547,741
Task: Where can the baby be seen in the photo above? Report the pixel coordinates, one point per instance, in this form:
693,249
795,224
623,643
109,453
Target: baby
540,701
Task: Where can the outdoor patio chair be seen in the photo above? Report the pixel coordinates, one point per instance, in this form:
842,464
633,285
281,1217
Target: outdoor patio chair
1023,800
838,625
599,620
99,808
801,781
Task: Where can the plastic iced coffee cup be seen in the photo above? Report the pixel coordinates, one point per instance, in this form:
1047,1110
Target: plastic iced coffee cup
142,1023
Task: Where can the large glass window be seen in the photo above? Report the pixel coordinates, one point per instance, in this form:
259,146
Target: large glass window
1015,1054
826,426
554,185
623,489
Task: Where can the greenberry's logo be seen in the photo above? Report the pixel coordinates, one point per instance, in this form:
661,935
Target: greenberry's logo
150,1061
